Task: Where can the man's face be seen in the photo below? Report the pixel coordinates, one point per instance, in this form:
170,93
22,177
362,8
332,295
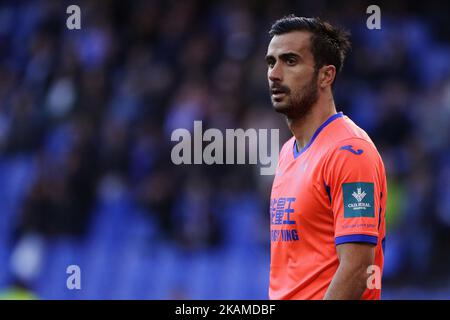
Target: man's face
291,74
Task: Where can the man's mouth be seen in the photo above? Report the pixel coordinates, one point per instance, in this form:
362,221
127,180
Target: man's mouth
278,93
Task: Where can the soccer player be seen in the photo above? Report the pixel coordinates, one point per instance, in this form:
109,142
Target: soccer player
328,197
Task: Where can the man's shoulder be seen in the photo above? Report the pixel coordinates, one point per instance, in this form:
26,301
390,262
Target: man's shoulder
352,156
345,135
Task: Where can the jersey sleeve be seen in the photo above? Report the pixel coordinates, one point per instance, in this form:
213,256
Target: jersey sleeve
354,183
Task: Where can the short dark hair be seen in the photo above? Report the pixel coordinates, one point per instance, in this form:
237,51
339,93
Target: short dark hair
329,44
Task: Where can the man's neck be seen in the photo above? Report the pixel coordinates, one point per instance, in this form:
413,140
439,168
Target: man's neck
303,129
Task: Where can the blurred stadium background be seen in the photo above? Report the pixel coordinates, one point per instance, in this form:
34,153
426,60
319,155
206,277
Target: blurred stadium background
85,123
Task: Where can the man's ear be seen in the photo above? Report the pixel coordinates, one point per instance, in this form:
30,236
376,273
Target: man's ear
326,76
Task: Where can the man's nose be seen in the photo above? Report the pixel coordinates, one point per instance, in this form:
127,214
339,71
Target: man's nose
275,74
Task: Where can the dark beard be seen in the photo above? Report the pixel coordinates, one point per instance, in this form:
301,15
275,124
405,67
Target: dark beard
301,104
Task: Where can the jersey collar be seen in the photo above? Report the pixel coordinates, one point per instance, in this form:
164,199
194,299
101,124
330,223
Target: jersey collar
327,122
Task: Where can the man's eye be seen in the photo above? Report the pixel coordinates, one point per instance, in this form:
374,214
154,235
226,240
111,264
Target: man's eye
291,61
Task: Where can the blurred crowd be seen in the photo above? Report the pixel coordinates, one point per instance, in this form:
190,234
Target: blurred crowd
91,112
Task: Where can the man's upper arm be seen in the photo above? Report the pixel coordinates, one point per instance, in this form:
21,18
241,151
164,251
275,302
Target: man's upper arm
356,255
354,179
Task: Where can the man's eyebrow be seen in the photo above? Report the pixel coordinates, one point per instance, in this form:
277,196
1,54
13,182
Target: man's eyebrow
284,56
288,55
269,57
